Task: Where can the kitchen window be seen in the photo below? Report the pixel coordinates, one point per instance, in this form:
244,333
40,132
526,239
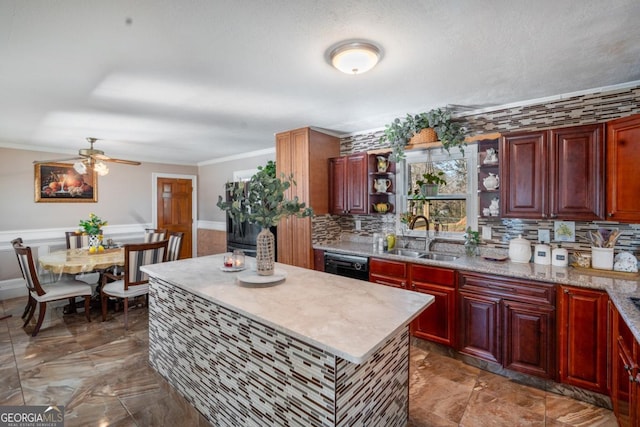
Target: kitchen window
456,205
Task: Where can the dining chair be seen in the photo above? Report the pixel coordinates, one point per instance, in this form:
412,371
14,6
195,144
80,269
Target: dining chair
152,235
41,294
175,245
18,242
77,240
132,282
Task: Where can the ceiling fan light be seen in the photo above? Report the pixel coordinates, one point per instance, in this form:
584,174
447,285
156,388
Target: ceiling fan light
101,168
355,57
80,167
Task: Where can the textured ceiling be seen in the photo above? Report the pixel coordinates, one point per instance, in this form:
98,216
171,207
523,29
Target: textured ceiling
197,80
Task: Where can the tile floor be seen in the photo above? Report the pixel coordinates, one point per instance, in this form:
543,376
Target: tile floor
100,373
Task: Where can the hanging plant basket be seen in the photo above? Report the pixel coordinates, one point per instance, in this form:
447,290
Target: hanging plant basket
429,190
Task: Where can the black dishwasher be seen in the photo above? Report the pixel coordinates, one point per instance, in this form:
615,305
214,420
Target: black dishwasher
356,267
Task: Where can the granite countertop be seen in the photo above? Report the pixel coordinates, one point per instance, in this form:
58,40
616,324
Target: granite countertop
346,317
619,286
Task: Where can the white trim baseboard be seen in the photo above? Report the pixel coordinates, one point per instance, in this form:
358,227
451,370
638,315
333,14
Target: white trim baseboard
212,225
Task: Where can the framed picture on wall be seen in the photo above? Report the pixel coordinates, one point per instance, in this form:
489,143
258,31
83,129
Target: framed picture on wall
59,182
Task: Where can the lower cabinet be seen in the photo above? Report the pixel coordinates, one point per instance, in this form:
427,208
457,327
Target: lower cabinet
625,373
389,273
582,337
508,321
437,322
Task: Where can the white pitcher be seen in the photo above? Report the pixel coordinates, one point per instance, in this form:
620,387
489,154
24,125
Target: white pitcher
382,185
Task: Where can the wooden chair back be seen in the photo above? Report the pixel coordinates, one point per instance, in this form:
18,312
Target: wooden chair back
175,245
18,242
77,240
138,254
152,235
27,265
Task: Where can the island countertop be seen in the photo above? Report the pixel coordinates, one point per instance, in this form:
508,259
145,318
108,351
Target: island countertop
347,317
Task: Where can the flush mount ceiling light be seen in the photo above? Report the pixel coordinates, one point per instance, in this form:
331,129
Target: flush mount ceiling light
354,57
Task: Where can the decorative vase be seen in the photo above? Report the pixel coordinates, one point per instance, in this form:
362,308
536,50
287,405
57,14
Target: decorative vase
94,242
429,190
471,249
265,253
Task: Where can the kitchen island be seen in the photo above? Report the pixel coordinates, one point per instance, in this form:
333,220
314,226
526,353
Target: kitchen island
313,350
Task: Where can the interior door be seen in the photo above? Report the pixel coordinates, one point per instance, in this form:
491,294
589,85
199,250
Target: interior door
174,209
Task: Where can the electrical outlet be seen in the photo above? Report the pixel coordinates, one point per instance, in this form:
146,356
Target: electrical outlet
358,225
486,232
544,236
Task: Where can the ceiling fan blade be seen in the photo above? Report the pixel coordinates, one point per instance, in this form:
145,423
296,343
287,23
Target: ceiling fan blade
124,162
103,158
37,162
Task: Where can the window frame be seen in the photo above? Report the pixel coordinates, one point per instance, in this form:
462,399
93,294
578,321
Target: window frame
435,155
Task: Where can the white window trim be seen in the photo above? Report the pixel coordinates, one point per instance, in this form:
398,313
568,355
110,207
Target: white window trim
471,154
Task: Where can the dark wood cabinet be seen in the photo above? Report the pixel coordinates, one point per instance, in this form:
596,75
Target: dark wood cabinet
384,194
527,345
508,321
553,174
480,326
582,337
625,372
389,273
438,322
318,259
348,184
623,182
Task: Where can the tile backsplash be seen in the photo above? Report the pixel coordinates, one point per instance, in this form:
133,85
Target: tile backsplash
564,111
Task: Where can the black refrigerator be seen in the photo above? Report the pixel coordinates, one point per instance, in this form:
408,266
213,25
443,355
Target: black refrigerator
243,236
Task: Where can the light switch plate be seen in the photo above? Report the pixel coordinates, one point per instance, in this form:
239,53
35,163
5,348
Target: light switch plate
358,225
544,236
486,232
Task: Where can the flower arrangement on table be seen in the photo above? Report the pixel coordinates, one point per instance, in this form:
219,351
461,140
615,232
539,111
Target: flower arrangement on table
92,227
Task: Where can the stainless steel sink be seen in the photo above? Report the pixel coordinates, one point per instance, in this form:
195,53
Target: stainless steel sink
436,256
439,257
406,252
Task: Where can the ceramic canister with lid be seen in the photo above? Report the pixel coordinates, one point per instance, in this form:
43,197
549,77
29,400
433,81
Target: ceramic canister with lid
560,257
519,250
542,254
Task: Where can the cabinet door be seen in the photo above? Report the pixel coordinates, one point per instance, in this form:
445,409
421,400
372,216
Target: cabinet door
583,338
337,184
623,387
523,180
623,182
438,322
480,326
529,338
576,169
389,273
356,184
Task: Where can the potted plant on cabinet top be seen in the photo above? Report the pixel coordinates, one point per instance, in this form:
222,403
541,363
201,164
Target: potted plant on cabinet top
263,203
399,132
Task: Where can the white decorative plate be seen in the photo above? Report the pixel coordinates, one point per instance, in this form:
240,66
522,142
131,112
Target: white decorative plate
251,277
231,269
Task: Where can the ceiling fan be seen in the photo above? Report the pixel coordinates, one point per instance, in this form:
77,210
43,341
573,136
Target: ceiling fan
90,158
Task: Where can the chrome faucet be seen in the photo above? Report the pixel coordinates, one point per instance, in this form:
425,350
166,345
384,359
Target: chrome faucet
427,239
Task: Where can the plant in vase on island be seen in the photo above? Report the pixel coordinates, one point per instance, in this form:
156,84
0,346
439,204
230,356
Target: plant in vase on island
93,227
263,203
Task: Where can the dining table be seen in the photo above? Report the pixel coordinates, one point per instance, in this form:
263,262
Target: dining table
78,261
81,261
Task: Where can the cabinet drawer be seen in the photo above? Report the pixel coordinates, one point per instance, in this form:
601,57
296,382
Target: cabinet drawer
435,275
388,268
514,289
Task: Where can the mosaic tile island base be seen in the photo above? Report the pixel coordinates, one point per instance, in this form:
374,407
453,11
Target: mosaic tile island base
314,350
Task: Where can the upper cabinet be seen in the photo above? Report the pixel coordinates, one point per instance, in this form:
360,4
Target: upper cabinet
623,184
557,174
348,184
